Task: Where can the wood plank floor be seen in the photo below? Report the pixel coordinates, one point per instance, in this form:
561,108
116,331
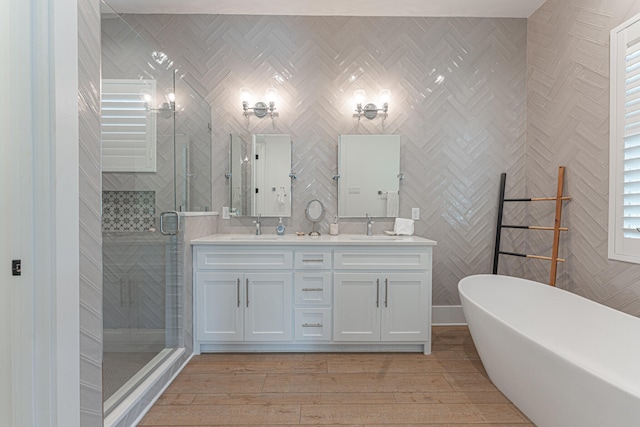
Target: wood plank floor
449,387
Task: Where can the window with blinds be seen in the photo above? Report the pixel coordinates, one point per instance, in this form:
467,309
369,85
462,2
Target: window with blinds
128,126
624,156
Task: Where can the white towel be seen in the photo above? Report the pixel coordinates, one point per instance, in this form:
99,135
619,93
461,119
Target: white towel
393,203
403,227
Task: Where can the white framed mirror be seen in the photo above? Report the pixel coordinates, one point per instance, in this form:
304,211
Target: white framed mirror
260,181
369,176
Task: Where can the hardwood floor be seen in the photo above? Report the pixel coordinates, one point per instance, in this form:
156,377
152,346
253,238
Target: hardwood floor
448,387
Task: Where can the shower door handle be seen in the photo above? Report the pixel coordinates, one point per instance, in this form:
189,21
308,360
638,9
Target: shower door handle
170,214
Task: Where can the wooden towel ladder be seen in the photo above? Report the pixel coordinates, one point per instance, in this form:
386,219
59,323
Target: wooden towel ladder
556,227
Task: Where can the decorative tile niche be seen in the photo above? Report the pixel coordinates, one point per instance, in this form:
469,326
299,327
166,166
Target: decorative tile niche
128,210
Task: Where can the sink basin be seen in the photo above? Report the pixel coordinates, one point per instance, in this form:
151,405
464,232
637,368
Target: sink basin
375,238
249,238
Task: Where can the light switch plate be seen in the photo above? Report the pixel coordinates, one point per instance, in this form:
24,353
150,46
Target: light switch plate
415,213
225,212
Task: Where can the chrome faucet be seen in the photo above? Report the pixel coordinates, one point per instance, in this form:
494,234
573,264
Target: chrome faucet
369,224
258,226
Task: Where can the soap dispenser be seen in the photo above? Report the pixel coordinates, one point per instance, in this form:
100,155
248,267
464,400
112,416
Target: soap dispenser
333,228
280,228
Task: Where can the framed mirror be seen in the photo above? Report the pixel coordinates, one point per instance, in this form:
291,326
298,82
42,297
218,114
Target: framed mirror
315,214
259,182
369,171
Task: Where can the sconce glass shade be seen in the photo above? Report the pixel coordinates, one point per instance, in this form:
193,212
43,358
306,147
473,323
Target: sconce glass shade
384,95
171,97
245,94
271,94
359,95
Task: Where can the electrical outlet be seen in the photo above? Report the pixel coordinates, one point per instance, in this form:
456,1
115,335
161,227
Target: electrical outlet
415,213
225,212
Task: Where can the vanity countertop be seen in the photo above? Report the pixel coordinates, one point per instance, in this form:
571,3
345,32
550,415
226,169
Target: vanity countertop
292,239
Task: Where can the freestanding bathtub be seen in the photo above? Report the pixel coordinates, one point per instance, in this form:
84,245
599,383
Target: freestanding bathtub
564,360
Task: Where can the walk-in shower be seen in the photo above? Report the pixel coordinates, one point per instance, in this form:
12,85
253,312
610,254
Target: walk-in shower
156,160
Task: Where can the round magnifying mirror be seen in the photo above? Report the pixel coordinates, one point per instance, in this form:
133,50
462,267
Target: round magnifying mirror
314,213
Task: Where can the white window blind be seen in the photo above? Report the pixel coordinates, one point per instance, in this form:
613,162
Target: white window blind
624,158
128,127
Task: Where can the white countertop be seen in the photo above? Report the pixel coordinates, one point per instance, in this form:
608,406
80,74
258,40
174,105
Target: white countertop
292,239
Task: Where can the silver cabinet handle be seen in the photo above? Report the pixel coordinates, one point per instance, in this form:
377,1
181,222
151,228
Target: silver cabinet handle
238,291
386,292
313,260
312,325
377,292
246,297
312,289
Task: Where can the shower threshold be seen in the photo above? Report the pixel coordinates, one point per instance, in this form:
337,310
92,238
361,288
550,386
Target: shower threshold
133,389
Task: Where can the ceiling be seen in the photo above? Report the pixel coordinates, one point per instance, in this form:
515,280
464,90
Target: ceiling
467,8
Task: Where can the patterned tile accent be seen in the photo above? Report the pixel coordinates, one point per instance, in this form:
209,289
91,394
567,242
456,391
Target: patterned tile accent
90,221
568,124
128,210
458,101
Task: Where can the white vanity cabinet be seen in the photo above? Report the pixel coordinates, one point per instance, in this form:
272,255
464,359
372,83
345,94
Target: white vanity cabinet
329,293
251,302
382,295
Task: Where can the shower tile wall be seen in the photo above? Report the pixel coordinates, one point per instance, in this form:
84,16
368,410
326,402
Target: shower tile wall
568,124
458,100
90,291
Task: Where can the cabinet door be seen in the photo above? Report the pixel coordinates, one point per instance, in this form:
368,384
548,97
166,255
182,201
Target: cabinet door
356,307
405,307
218,307
268,307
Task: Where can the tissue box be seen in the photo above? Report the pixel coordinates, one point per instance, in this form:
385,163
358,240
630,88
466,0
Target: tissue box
403,227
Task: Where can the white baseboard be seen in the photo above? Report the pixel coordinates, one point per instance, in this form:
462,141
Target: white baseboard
447,315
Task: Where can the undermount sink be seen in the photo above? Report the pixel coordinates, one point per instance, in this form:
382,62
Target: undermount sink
380,237
257,238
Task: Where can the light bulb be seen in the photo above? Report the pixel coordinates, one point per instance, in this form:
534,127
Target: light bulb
359,95
171,97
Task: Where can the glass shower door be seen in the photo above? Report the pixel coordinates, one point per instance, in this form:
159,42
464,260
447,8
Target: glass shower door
140,264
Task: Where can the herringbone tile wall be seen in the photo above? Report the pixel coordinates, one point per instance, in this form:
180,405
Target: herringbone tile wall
568,124
458,101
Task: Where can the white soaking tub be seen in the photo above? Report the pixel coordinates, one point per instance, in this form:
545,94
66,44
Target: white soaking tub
564,360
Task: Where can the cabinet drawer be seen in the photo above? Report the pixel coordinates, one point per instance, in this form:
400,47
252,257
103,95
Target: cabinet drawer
313,288
243,259
313,260
313,324
370,260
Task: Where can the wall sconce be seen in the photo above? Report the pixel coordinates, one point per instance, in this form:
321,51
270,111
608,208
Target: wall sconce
260,109
370,111
166,107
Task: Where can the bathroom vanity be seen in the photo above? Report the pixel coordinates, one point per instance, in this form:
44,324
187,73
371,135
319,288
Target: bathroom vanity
302,293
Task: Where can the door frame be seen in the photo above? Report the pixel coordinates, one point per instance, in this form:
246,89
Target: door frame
40,41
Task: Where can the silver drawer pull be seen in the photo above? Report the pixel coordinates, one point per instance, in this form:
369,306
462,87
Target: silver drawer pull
313,260
312,325
312,289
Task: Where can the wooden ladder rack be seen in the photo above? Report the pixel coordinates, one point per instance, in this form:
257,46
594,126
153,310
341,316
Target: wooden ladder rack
556,227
